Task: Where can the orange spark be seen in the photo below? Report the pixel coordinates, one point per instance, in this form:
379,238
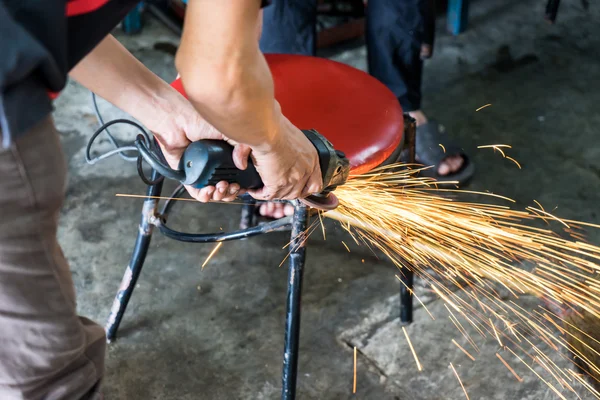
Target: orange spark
459,381
495,332
212,253
354,385
346,246
412,350
463,350
509,368
513,160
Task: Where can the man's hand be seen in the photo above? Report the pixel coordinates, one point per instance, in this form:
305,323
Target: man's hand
290,168
195,128
117,76
229,82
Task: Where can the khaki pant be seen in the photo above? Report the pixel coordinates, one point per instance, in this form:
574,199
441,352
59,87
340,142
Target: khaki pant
46,350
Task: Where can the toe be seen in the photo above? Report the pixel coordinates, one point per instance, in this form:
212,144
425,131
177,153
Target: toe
444,168
457,162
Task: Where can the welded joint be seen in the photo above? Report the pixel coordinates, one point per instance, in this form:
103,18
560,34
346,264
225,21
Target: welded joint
148,217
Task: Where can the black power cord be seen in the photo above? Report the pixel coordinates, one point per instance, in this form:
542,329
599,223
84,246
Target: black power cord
110,136
146,148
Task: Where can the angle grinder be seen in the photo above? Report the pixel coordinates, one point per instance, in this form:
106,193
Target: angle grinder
207,162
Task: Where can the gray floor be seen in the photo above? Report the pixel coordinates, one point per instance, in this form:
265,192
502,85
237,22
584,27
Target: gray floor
216,333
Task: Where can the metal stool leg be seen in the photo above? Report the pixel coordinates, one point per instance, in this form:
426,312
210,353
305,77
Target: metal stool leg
406,297
292,322
136,262
248,218
552,10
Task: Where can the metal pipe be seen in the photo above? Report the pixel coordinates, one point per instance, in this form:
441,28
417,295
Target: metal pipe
248,217
293,305
406,296
552,10
171,201
407,277
274,226
410,131
133,270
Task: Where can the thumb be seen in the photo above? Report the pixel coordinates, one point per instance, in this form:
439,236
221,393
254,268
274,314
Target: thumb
172,156
259,194
241,152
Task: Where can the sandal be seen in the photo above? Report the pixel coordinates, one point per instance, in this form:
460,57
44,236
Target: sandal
433,145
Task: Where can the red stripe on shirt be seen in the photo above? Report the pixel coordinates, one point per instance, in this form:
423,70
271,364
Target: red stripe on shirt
78,7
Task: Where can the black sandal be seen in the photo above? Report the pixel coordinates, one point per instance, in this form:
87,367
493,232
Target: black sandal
433,145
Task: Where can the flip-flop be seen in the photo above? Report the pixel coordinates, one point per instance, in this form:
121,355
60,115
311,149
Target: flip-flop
432,146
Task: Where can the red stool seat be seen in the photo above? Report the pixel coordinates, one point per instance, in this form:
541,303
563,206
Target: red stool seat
354,111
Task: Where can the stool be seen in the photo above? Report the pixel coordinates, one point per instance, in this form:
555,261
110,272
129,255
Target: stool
357,113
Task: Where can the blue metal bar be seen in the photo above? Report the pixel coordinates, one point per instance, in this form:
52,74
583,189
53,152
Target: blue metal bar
132,23
458,15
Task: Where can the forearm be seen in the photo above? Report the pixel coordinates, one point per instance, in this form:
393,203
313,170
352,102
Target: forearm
224,73
117,76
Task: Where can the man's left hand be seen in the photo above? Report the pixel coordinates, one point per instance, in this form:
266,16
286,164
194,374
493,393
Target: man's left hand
196,128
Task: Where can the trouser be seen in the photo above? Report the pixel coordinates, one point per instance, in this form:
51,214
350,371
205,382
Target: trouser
46,350
394,33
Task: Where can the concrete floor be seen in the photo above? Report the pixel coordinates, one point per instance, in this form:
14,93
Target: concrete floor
216,333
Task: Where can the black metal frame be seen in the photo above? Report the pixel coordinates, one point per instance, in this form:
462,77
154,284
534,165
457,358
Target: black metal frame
407,278
151,219
552,10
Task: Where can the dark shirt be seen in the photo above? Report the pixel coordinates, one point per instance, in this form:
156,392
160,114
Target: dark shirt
40,42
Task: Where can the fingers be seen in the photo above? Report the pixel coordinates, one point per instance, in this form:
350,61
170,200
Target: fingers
314,184
203,195
263,193
221,192
300,188
241,153
225,191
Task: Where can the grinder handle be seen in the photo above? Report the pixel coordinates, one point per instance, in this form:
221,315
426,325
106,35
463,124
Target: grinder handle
207,162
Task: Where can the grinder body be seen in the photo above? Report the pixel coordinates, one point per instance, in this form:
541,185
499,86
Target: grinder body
207,162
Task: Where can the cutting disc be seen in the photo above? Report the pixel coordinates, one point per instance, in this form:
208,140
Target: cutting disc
325,203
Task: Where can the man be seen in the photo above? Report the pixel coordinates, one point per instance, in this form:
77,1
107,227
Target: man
396,33
46,350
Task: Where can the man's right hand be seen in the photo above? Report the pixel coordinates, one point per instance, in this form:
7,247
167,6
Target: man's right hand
229,82
289,168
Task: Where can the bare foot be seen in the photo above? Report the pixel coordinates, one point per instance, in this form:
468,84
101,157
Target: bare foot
448,165
426,51
276,210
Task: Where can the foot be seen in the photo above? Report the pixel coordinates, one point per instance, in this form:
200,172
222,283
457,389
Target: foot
450,164
426,51
276,210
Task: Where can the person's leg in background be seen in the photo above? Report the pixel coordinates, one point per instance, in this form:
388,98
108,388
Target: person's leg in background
290,27
397,35
46,351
